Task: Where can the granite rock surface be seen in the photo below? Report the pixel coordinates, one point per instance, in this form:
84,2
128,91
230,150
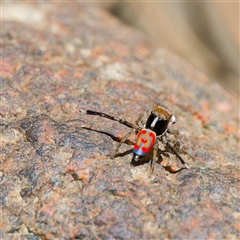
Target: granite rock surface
57,178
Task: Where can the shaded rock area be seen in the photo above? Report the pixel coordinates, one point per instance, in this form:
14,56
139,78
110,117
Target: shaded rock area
57,178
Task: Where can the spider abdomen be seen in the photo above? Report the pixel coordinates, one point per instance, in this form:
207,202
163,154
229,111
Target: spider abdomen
146,139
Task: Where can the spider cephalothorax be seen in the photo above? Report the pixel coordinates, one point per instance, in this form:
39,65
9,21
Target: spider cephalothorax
159,120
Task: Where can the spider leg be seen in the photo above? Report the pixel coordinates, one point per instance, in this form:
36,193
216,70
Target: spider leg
101,114
164,139
122,141
141,118
175,133
174,140
154,159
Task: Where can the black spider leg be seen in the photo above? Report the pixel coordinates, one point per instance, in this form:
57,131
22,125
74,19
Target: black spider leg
122,121
154,159
175,152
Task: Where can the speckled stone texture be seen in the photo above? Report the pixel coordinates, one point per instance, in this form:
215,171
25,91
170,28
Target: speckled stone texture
57,178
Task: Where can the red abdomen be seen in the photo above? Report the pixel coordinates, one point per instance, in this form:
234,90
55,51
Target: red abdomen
146,138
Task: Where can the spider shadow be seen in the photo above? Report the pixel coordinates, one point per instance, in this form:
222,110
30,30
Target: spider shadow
142,160
161,154
117,139
146,159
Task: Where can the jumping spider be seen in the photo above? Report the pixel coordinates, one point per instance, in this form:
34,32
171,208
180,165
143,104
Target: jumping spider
155,130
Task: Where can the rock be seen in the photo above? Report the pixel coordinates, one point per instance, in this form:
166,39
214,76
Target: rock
57,178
